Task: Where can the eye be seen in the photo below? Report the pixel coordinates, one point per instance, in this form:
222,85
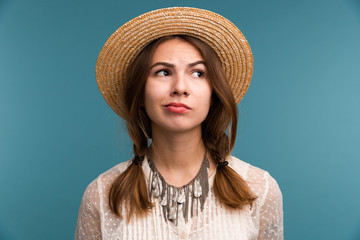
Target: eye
198,74
162,73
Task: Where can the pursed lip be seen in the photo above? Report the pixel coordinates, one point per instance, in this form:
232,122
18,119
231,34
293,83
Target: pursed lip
174,104
177,108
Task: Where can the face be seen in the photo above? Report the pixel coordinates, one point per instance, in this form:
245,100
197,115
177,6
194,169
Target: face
177,90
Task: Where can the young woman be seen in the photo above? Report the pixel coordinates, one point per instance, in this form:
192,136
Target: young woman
175,76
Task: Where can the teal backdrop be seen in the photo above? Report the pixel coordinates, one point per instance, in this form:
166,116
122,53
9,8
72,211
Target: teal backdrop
300,119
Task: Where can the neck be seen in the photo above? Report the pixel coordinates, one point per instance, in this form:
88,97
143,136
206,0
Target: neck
177,156
177,151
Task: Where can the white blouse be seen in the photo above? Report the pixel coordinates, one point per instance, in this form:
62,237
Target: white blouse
264,220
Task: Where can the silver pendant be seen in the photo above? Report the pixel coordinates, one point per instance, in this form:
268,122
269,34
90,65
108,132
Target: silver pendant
176,200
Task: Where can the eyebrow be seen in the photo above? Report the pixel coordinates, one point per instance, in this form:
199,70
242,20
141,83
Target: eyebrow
169,65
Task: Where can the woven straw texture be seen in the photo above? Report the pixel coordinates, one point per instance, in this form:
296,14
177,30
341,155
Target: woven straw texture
126,42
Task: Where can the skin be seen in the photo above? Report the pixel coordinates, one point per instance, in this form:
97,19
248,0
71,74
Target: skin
177,76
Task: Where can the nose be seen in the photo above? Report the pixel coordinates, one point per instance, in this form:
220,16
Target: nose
180,86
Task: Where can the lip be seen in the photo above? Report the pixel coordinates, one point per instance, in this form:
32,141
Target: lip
177,107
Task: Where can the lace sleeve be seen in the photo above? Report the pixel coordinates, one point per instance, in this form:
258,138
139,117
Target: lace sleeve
88,224
271,213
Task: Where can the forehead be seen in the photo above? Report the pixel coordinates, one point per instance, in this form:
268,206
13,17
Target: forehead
176,48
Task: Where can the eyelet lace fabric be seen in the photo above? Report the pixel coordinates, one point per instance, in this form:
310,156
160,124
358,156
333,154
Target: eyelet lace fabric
263,221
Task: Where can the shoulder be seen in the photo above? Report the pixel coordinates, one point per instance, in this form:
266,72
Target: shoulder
111,174
260,181
101,184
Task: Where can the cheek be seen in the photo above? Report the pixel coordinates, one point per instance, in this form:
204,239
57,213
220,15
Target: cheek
207,95
206,100
148,99
154,90
152,98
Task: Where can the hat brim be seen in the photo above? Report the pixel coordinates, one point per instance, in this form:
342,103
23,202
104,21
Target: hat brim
127,41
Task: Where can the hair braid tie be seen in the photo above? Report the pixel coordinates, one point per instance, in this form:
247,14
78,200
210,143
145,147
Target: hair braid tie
222,164
137,160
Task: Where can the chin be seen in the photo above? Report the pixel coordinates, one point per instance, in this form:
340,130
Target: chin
178,127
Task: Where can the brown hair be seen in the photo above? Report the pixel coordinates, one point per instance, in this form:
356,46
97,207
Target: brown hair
218,133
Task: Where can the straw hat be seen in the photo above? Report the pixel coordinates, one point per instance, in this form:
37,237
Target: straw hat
126,42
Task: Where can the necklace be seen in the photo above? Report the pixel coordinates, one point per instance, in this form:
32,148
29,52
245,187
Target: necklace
176,201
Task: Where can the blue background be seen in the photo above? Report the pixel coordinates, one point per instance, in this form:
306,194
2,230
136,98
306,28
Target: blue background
300,119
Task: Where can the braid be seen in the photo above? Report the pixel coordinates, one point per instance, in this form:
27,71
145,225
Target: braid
129,189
